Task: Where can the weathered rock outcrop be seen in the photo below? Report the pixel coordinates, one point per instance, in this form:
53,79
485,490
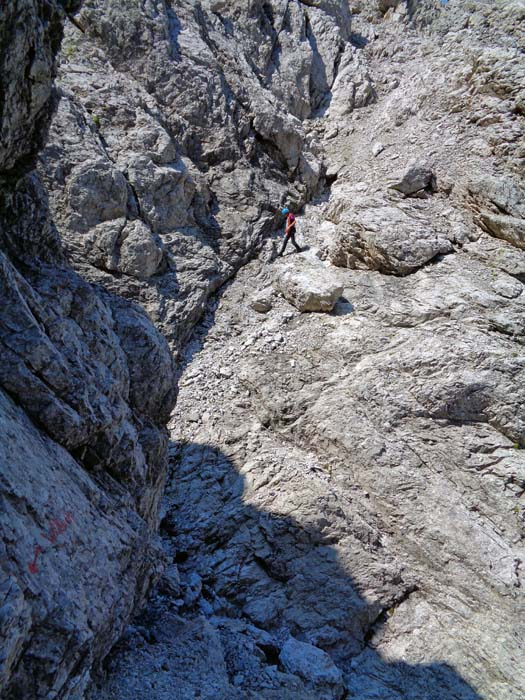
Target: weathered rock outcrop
179,135
500,207
86,384
379,235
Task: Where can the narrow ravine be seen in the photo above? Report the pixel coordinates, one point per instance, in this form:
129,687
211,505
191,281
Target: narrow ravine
322,543
343,512
226,475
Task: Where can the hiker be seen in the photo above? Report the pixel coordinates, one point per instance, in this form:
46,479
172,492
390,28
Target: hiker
289,232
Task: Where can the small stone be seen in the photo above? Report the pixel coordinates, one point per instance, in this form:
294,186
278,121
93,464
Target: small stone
377,148
261,305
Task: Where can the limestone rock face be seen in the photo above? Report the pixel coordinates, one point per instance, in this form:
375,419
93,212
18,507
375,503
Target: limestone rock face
352,87
170,144
86,384
349,484
343,513
180,134
27,70
75,559
500,207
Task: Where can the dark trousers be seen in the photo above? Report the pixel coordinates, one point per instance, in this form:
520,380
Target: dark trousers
290,237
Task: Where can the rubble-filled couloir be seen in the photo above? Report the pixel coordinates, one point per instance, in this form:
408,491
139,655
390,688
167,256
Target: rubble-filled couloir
343,516
161,157
351,484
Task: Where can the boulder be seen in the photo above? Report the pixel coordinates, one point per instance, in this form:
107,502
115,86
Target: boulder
417,176
506,227
385,238
309,288
169,583
314,666
140,252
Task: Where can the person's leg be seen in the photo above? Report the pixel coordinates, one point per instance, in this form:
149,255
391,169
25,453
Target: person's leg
283,247
297,247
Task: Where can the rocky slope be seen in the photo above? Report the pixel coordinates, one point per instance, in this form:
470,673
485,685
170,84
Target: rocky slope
158,175
177,137
344,509
344,514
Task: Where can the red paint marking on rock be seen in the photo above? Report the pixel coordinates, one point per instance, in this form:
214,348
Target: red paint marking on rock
57,527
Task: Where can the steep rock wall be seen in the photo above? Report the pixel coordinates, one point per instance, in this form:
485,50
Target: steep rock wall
179,136
180,129
86,384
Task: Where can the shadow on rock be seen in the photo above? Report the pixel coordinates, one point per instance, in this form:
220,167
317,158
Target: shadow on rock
258,567
343,307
